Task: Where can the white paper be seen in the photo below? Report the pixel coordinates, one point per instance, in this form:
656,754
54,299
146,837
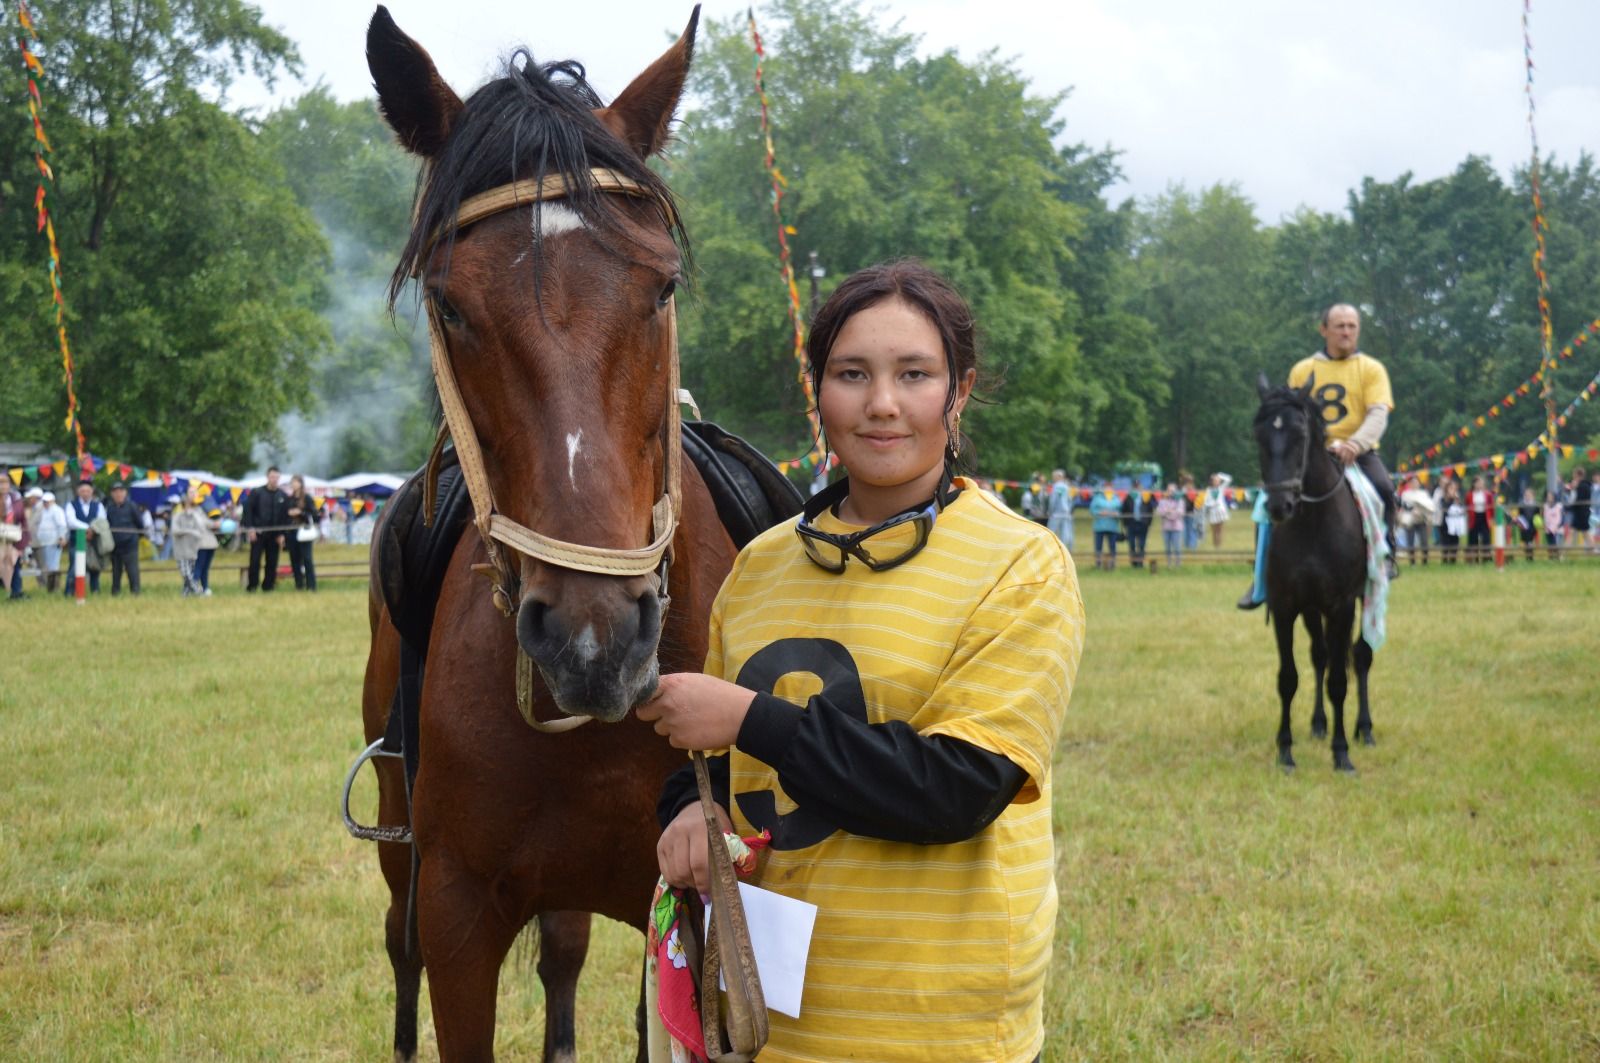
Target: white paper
780,934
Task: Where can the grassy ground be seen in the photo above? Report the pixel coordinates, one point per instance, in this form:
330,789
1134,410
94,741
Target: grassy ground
174,882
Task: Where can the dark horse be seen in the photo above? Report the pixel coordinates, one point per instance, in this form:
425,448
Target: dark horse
556,316
1316,561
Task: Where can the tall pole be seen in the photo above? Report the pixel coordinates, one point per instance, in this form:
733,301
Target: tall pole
817,273
1547,358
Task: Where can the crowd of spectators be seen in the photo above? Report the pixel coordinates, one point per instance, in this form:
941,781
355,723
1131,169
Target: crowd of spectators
1459,521
37,530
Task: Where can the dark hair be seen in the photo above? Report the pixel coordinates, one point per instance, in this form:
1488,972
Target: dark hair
273,468
914,283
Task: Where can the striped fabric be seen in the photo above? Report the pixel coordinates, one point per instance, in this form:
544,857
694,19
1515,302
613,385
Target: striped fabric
920,952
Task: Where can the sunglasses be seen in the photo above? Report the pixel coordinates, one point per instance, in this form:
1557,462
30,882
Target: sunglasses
831,552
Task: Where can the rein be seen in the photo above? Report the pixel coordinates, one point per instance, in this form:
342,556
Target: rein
728,940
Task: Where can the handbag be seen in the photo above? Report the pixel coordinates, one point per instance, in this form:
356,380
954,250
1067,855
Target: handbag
307,534
10,533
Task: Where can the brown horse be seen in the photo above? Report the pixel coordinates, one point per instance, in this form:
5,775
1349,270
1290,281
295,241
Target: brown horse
555,316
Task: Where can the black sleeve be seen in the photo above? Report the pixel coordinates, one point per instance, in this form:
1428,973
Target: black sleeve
880,780
680,789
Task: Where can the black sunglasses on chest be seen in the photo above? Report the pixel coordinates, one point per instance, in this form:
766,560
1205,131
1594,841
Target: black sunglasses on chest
832,551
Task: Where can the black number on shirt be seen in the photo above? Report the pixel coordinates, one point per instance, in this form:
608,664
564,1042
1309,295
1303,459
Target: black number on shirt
1332,398
841,685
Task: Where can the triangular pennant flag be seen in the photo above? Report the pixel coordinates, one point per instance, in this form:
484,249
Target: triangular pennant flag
60,468
1423,476
16,476
1461,470
235,492
1498,460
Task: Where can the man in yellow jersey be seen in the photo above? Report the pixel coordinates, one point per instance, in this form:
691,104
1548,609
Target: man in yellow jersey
1353,389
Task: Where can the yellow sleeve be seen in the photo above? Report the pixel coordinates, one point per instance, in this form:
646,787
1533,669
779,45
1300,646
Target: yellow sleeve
1008,683
1375,383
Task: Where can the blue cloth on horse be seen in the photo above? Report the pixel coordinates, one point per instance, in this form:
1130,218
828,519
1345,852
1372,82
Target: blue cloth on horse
1375,604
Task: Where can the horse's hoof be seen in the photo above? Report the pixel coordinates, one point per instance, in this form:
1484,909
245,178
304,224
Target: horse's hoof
1366,738
1319,731
1341,762
1285,760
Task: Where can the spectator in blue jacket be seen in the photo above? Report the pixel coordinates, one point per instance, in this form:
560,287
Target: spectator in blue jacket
1107,514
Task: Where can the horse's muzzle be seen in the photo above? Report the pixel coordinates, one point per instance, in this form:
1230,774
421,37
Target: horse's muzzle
597,656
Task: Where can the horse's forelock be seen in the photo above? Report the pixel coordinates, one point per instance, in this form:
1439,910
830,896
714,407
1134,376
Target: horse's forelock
532,122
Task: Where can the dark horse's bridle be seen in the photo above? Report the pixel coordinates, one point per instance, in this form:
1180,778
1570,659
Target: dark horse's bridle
746,1030
1295,484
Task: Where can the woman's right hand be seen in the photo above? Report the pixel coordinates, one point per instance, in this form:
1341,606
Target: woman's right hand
681,852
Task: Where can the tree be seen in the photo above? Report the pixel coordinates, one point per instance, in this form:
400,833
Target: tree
373,385
191,276
886,155
1201,263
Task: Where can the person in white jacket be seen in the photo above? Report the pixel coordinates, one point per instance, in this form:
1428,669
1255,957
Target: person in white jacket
83,512
48,540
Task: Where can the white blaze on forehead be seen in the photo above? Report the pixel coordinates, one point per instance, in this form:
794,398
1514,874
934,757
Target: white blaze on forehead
553,219
572,453
1277,422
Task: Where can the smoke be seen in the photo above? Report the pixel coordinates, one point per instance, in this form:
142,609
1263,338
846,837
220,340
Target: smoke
371,389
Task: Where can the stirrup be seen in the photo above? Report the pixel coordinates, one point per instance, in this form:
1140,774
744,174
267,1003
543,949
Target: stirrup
400,835
1249,600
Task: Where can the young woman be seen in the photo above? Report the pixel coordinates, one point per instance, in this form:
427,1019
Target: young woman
1480,515
1216,506
889,674
302,514
1171,511
1454,527
1554,524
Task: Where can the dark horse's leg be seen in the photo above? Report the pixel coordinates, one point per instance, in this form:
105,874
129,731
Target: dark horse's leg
1363,654
1288,680
1339,625
563,946
465,938
1319,661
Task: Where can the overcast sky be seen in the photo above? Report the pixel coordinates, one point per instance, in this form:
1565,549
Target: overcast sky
1295,100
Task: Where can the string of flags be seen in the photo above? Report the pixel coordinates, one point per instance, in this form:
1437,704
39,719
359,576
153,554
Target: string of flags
44,223
1505,403
785,259
70,470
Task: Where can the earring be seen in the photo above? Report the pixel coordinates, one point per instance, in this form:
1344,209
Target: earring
955,438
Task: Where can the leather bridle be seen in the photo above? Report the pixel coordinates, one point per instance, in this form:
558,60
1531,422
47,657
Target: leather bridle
501,535
1295,484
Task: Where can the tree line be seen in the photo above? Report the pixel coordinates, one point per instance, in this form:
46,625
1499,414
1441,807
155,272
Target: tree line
223,269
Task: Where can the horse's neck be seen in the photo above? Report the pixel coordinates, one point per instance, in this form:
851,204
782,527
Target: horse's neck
1322,473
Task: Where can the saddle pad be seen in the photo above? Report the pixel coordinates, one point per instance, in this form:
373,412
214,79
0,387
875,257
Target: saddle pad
751,495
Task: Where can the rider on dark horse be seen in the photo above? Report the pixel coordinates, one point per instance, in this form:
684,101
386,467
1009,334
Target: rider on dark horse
1353,389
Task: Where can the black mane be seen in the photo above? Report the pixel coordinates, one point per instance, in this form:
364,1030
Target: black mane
533,122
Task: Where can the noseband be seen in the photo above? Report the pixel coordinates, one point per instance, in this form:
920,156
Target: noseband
494,527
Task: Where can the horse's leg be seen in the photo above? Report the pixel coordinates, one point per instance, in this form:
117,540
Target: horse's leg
1319,661
465,938
563,945
406,963
1339,625
1363,657
1288,680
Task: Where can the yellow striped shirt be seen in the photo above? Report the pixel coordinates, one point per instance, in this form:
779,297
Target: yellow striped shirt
920,952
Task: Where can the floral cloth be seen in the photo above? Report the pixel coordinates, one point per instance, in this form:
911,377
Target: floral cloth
669,982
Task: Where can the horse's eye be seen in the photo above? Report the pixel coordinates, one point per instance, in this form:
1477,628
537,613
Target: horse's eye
666,294
447,313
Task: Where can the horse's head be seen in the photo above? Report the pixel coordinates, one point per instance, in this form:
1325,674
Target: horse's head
553,316
1288,426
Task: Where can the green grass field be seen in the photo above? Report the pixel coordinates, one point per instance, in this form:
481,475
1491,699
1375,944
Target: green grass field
175,883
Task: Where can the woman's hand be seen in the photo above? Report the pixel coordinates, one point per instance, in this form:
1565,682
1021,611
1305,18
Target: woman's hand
681,852
697,711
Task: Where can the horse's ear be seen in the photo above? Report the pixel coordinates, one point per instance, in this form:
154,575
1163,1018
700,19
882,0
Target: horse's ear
1263,386
1309,386
642,114
415,101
